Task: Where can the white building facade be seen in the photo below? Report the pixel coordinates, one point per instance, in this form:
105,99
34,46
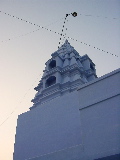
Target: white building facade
75,115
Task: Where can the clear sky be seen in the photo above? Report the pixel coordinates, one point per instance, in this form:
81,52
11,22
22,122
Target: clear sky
23,57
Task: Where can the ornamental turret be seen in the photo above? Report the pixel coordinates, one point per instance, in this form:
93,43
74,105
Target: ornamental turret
64,72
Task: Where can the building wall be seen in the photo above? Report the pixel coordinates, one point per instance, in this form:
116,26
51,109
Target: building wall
84,124
99,113
52,126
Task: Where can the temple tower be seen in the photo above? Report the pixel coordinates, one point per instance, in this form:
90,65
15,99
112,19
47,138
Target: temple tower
64,72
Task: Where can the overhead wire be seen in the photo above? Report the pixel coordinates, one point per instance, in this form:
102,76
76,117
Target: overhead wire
60,34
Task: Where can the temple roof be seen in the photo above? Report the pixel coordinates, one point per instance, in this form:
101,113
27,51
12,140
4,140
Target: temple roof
66,48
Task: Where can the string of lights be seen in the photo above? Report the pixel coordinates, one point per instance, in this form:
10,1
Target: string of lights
61,33
93,47
86,15
28,22
20,36
65,34
98,16
74,14
31,31
63,29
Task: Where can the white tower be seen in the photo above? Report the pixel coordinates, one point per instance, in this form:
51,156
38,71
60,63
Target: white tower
64,72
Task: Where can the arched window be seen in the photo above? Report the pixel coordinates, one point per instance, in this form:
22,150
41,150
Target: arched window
50,81
91,66
52,64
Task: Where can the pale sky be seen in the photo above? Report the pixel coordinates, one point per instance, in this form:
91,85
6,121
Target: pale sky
23,57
